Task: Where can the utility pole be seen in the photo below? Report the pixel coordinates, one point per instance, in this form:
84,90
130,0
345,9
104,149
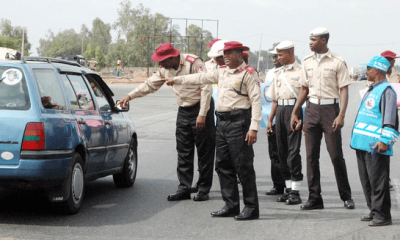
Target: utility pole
23,40
259,54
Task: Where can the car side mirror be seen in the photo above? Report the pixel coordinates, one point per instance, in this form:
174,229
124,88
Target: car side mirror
120,109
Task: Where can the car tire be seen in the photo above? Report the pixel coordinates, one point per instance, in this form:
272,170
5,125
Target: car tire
75,187
127,177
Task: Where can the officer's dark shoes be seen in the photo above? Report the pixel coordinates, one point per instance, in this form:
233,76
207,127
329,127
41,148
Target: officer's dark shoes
274,191
201,197
349,204
366,218
178,196
294,198
225,213
378,223
248,215
313,205
285,196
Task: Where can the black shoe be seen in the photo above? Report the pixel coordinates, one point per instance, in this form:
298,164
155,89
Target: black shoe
225,213
294,198
378,223
201,197
349,204
313,205
274,191
285,196
243,216
366,218
194,189
178,196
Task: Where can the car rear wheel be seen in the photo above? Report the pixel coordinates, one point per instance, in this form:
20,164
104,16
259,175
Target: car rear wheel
76,187
128,175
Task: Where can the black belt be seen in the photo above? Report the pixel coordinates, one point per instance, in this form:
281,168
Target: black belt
233,115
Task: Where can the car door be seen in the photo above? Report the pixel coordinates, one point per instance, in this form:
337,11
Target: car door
116,126
89,120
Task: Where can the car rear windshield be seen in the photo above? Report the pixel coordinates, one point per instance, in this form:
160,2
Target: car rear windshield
14,93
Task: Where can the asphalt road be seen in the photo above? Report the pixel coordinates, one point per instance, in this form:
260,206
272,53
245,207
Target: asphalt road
143,212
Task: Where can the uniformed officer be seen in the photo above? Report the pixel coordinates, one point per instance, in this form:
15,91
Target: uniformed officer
195,121
284,91
325,81
93,64
276,175
216,55
216,60
236,130
374,133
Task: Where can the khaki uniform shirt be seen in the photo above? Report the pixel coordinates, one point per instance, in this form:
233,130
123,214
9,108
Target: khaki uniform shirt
186,95
326,77
211,65
394,76
228,99
279,89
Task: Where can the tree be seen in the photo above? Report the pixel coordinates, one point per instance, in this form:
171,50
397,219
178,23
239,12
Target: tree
67,42
11,37
100,57
90,52
115,52
138,27
198,40
100,35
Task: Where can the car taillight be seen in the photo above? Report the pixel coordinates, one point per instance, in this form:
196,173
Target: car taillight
33,137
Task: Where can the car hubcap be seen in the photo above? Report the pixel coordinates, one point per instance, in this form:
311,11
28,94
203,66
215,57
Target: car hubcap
77,183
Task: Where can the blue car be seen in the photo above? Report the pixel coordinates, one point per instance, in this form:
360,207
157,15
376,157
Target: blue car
59,129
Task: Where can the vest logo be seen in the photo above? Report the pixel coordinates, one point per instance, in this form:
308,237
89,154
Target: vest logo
370,103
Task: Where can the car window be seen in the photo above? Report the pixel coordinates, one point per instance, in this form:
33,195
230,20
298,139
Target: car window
49,88
71,92
14,93
81,91
99,94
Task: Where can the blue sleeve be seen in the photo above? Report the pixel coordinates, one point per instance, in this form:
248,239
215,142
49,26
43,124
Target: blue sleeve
389,107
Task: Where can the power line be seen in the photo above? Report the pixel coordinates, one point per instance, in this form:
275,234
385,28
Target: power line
333,44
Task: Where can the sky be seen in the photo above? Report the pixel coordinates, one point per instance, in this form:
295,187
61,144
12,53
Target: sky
359,29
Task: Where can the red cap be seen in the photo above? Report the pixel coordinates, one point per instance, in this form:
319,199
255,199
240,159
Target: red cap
245,55
389,54
164,51
212,42
235,45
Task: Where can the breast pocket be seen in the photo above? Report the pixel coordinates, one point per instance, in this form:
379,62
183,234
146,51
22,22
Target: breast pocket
330,78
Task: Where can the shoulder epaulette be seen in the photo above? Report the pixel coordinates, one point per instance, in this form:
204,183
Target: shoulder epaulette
190,59
222,66
250,69
308,56
340,58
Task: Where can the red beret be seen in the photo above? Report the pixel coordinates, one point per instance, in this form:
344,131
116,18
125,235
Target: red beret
164,51
389,54
235,45
245,55
212,43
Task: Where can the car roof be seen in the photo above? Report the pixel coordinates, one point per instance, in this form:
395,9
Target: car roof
64,66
